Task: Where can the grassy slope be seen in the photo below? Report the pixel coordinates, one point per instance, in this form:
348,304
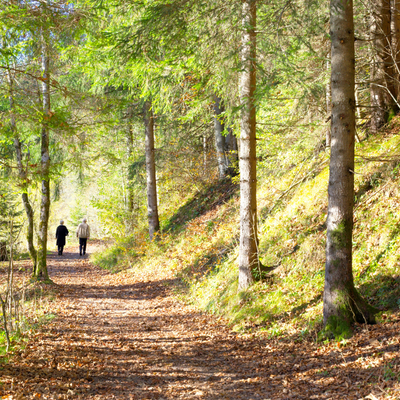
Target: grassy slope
200,242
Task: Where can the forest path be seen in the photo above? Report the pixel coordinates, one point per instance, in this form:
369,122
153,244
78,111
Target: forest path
120,336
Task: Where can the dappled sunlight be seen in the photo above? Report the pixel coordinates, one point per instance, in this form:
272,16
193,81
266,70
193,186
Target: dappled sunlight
126,336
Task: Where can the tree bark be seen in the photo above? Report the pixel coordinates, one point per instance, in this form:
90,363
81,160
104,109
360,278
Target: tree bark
395,49
219,128
342,303
381,82
328,108
27,205
226,146
205,157
41,270
152,207
248,248
129,154
231,148
22,176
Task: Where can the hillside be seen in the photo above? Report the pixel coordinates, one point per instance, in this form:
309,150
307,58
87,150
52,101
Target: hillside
199,243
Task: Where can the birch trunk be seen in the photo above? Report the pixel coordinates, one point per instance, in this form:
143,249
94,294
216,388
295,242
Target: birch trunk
41,270
248,248
152,207
342,303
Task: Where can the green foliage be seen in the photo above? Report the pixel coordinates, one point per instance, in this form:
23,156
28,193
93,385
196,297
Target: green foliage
118,256
16,340
110,259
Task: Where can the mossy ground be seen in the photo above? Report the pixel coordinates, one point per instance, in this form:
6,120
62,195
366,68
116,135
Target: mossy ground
199,242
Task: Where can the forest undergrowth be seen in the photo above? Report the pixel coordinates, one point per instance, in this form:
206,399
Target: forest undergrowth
199,242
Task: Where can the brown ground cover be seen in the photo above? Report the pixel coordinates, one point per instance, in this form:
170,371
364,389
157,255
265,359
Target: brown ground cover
126,336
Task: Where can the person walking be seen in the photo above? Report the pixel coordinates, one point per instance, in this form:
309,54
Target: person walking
61,234
83,233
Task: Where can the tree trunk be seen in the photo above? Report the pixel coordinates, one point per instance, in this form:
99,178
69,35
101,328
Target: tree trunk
23,177
129,154
395,49
41,270
226,146
219,128
381,83
248,250
358,110
205,158
231,151
27,205
152,207
328,108
342,303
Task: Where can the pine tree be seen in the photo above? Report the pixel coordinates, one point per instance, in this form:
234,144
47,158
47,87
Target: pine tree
342,303
248,250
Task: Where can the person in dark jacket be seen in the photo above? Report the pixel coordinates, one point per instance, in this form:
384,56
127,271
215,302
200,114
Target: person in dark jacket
61,234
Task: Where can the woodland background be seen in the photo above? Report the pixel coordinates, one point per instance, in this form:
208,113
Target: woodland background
85,85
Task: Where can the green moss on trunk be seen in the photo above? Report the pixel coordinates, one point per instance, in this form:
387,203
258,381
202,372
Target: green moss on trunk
40,272
350,307
340,236
337,328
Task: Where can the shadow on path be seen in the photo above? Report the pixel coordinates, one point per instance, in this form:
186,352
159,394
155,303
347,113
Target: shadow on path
121,337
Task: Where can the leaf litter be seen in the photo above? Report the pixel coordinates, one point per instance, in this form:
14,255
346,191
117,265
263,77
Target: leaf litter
126,336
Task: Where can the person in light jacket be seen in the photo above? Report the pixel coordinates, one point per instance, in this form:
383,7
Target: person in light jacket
83,233
61,233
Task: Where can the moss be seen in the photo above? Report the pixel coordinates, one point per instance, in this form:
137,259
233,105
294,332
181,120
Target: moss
340,234
337,328
40,278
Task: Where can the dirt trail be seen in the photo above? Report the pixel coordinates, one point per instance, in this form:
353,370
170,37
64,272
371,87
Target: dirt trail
127,337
